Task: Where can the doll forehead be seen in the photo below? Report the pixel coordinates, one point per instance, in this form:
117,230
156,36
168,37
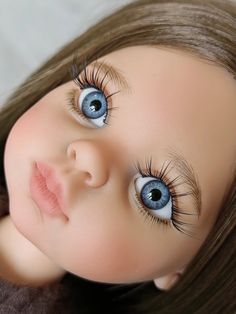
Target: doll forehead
171,81
170,63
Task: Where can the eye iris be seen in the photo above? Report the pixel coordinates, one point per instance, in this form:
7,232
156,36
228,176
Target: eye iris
155,195
94,105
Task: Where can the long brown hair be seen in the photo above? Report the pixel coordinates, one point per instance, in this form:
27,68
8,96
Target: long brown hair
206,29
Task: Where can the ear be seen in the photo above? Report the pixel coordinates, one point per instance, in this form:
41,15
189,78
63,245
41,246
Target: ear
168,281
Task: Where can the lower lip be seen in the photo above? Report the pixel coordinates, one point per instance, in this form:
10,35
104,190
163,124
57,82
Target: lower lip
44,199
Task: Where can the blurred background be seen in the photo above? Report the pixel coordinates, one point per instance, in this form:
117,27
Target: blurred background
32,31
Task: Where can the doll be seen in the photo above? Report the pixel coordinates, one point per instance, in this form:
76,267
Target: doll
118,165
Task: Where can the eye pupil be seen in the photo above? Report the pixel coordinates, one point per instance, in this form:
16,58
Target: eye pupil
95,105
154,195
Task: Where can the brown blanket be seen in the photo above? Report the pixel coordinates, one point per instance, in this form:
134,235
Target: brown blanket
49,299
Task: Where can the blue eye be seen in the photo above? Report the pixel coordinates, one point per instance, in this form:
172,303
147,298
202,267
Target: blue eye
93,105
155,196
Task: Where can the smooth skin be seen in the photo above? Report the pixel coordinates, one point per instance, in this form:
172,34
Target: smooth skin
174,101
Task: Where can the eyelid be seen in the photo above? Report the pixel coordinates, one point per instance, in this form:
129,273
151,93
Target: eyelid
113,74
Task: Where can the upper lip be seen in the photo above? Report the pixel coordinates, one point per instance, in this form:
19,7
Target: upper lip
53,183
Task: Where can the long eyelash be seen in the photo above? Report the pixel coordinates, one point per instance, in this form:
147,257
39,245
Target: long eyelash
91,78
176,220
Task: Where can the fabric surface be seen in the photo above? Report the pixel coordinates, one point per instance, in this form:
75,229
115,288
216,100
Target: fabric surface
54,298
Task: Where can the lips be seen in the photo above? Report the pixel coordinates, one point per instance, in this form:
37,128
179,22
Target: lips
46,190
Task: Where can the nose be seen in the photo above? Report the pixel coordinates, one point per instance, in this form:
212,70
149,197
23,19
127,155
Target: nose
90,160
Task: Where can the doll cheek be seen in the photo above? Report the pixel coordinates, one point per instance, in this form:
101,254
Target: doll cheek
99,255
21,131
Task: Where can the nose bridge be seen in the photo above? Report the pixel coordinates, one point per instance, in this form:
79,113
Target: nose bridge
92,159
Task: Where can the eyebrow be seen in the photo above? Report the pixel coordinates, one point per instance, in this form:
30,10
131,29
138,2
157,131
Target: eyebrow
182,166
185,170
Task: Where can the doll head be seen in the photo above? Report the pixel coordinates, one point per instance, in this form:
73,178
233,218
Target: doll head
137,145
143,214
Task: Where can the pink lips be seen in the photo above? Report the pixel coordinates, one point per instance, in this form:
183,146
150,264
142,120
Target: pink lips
45,189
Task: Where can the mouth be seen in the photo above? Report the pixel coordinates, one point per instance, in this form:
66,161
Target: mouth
46,190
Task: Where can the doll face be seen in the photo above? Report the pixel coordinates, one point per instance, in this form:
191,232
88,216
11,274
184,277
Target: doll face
140,174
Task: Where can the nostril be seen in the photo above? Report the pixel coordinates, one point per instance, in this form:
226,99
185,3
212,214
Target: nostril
72,153
89,178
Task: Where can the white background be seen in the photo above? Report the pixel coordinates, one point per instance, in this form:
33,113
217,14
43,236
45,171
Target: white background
33,30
